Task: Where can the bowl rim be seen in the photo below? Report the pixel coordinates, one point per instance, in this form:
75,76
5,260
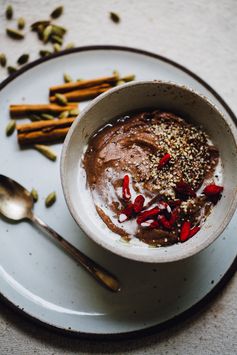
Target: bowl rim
102,242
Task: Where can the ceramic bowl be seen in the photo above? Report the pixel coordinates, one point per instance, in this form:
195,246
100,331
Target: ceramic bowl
128,98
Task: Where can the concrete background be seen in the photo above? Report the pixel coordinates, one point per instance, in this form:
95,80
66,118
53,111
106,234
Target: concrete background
199,34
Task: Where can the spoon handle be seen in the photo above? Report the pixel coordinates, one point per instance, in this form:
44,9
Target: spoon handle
97,271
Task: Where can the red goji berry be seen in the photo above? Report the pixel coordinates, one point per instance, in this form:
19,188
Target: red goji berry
126,190
213,192
164,160
212,189
174,216
147,215
138,203
185,230
193,231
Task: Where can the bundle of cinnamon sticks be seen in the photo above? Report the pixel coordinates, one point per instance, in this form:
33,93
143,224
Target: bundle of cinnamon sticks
63,112
42,131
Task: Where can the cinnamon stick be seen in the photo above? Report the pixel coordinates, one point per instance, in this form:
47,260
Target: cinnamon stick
84,94
43,131
22,110
82,84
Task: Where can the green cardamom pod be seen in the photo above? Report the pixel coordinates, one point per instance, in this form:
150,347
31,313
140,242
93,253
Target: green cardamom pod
120,82
63,114
44,53
57,12
57,39
34,118
14,34
21,23
50,199
67,78
56,47
46,151
40,32
116,74
114,17
58,30
3,60
47,33
34,195
74,112
11,69
11,126
47,116
23,59
61,99
9,12
35,26
129,77
70,45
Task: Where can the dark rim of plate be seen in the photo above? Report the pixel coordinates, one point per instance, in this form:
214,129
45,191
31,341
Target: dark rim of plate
198,307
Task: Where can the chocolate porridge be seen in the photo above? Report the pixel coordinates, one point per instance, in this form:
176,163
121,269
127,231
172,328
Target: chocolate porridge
153,176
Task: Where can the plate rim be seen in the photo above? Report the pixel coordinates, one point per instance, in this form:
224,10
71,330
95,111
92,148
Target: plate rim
197,307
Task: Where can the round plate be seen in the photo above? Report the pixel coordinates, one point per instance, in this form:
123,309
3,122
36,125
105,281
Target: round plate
39,278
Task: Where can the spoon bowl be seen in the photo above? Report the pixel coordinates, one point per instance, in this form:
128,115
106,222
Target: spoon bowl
16,202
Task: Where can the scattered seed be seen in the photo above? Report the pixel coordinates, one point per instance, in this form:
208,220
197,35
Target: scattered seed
57,39
14,34
11,126
57,12
74,112
11,69
64,114
9,12
3,60
46,33
23,59
46,116
34,195
61,99
114,17
21,23
56,47
46,151
44,53
50,199
67,78
70,45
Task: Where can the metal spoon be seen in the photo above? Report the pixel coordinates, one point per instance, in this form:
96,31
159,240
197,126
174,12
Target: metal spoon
16,203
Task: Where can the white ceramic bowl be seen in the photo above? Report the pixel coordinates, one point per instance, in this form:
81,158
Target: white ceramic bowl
127,98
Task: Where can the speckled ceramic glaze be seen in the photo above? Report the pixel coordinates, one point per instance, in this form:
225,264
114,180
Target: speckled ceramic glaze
128,98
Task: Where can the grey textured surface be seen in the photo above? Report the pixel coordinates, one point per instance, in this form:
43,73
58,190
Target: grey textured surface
202,36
